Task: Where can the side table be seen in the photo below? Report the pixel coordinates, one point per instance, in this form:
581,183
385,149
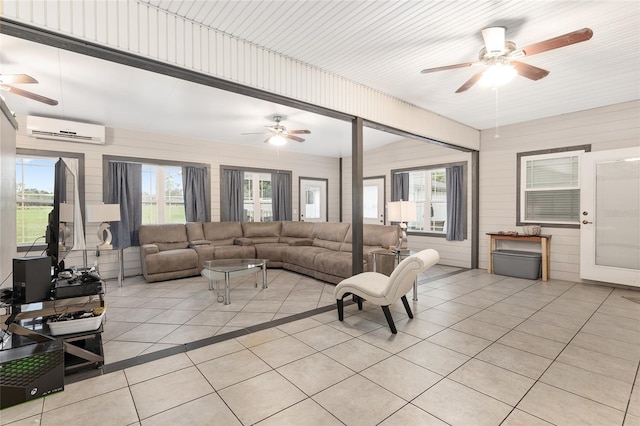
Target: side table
120,262
543,240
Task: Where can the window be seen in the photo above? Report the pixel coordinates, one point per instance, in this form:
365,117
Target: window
257,197
428,188
34,193
550,187
34,196
162,194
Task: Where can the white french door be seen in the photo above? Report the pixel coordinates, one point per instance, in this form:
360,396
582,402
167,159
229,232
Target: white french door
610,216
313,200
373,200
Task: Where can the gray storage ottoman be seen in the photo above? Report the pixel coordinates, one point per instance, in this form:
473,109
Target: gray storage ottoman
517,263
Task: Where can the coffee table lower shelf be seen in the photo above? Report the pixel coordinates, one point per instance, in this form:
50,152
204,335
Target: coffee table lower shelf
225,269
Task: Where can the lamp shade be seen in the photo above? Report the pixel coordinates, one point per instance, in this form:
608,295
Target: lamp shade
97,213
401,211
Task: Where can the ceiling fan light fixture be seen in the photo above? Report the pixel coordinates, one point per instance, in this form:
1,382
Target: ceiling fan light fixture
277,140
498,75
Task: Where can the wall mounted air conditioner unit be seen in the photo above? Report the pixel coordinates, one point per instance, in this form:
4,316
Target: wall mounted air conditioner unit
62,130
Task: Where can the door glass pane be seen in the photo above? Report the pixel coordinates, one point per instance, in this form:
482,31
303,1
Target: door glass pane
312,202
370,202
149,195
618,214
174,196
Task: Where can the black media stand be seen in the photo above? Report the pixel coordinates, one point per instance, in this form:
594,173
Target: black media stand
27,326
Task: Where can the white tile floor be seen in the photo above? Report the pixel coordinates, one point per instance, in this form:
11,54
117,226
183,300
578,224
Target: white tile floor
482,349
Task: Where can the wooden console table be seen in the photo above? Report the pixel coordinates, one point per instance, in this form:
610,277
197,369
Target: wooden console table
543,240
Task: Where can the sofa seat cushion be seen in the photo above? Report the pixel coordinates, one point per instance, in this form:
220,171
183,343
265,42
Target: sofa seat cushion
274,252
302,255
333,263
262,240
234,252
171,260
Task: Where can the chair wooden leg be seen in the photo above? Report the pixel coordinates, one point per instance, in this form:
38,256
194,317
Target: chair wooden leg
340,309
359,300
405,302
387,315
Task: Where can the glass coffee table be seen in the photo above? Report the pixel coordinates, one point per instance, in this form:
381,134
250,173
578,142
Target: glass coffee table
225,269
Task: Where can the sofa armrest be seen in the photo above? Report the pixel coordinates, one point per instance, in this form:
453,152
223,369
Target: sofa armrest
149,249
241,241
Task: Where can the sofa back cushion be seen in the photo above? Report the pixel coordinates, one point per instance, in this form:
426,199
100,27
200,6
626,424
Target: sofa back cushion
329,235
166,237
195,232
261,229
297,229
377,235
222,233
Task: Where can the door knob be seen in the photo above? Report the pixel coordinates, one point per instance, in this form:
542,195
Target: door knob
586,222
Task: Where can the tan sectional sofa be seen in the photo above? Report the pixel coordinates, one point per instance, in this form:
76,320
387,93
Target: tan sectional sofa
321,250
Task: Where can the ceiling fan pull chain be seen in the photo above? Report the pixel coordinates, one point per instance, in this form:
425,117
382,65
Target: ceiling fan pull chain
497,125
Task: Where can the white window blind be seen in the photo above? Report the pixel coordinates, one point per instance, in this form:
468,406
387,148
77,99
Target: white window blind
551,188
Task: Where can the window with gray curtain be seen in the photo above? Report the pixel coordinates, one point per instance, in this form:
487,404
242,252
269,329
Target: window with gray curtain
400,187
125,189
440,204
456,211
194,184
232,201
281,195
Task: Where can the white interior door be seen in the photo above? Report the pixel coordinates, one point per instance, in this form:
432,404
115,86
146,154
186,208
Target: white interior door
313,200
373,200
610,216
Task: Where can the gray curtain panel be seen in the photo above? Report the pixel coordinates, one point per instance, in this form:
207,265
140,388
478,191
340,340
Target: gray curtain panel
125,188
456,211
400,187
281,196
232,202
194,184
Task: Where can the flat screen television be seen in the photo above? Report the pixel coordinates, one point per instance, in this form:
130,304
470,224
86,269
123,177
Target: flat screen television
60,223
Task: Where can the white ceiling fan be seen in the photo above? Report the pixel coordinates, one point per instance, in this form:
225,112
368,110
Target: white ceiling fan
279,134
8,80
498,57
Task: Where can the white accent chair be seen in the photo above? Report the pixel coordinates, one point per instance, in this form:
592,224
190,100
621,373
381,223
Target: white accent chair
382,290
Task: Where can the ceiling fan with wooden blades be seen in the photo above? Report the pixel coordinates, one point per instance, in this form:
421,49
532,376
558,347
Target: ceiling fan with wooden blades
279,134
498,56
8,80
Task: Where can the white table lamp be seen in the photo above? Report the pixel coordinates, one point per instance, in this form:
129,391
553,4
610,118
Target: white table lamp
103,213
403,212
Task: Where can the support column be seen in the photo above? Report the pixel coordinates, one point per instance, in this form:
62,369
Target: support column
357,195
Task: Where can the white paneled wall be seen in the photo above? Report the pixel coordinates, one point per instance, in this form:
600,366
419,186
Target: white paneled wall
612,127
7,194
406,154
129,143
142,29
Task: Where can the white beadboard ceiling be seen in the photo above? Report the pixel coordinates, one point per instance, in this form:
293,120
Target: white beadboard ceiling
379,44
